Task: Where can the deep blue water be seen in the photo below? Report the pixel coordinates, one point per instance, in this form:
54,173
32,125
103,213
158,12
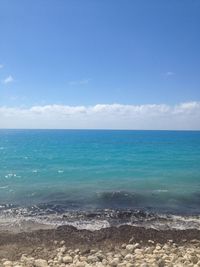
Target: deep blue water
89,169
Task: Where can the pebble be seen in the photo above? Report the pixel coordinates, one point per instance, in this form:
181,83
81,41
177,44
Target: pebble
114,262
127,255
92,258
7,263
67,259
130,248
40,263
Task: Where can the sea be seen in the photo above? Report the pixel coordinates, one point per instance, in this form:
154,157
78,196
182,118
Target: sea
93,179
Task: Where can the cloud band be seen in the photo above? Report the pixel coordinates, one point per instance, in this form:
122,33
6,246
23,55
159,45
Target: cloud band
184,116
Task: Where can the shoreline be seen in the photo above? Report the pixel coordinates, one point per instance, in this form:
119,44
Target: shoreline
13,245
17,220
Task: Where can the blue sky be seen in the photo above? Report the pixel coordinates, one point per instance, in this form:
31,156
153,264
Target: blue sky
84,53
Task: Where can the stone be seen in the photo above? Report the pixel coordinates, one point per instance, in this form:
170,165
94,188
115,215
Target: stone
131,240
124,246
7,263
158,247
40,263
161,263
138,251
67,259
129,257
194,259
104,262
144,265
114,262
130,248
122,264
130,265
63,249
83,258
100,256
92,259
80,264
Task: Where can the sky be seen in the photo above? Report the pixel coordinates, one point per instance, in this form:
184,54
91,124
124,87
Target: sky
100,64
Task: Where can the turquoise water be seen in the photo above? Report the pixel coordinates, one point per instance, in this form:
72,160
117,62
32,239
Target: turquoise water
91,169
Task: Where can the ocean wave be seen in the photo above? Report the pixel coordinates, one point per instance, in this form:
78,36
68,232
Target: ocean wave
16,217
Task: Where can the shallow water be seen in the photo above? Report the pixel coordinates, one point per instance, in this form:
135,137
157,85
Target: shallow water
81,170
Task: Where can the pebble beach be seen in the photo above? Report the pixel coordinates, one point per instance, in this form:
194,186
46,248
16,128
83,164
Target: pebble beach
106,247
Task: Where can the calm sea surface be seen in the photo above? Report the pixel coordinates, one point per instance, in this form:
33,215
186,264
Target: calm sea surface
156,171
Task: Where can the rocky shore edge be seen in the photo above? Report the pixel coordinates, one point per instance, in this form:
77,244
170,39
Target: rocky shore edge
124,246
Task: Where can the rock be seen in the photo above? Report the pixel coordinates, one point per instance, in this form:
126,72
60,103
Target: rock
194,259
130,248
144,265
77,251
122,264
63,249
123,245
7,263
130,265
149,250
92,259
129,257
104,262
138,251
99,264
67,259
114,262
83,258
29,261
161,263
158,247
76,258
40,263
86,251
80,264
131,240
123,252
194,241
100,256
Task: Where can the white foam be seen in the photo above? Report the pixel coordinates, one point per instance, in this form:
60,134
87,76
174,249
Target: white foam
3,187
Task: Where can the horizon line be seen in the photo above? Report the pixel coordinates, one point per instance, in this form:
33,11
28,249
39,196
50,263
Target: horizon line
101,129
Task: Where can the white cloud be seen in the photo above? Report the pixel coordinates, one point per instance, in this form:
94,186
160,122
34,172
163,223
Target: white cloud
1,66
103,116
80,82
8,79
